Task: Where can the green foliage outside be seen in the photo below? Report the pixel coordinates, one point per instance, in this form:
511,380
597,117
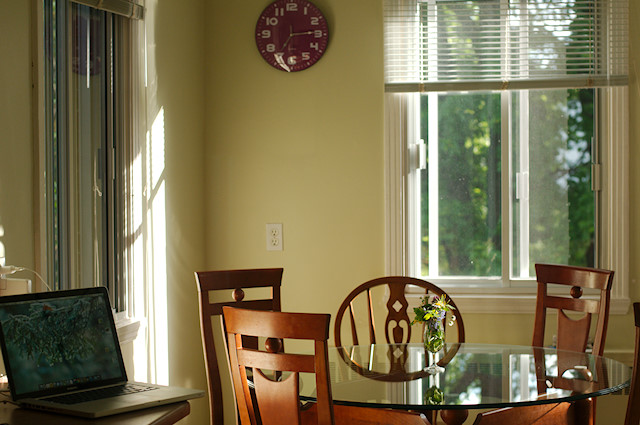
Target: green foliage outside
562,206
561,211
469,185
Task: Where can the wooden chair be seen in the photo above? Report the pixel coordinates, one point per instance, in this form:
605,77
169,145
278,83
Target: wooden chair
544,414
232,284
397,325
397,328
565,413
633,404
278,401
572,335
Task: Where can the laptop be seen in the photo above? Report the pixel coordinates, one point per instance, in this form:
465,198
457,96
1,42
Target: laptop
61,354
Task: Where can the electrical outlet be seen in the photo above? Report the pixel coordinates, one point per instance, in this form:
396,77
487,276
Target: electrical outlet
274,236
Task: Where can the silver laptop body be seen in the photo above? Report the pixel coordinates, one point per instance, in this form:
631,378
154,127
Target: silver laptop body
61,354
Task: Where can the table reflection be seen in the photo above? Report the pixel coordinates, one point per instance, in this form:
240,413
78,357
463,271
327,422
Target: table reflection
474,376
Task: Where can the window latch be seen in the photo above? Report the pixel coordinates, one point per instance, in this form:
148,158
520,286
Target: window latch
418,156
595,177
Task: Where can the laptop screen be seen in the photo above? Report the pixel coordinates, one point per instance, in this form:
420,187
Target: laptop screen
54,342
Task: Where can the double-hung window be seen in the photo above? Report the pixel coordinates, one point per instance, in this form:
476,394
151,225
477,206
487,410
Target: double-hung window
505,141
90,81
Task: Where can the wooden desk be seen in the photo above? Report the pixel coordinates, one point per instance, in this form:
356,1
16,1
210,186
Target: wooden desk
162,415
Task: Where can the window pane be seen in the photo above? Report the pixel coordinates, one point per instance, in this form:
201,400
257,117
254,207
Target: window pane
553,204
460,214
88,139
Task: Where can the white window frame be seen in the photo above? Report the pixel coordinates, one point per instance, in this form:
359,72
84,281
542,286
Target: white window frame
402,153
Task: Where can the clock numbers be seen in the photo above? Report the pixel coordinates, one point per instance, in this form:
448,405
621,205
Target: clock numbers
291,35
289,7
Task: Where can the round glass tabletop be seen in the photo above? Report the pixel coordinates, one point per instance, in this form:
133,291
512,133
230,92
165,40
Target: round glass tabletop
472,376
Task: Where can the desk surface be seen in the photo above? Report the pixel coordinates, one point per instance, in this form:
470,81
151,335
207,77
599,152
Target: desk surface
161,415
474,376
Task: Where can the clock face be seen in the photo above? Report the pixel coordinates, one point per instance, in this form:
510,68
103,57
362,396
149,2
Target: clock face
291,35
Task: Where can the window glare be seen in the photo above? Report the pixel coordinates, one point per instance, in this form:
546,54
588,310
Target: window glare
555,180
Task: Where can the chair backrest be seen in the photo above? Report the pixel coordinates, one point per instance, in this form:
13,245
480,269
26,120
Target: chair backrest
397,328
278,400
228,287
573,334
633,404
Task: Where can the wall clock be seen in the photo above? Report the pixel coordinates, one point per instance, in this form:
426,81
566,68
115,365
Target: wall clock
291,35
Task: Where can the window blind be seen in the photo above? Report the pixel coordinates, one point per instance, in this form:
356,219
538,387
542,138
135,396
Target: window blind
120,7
444,45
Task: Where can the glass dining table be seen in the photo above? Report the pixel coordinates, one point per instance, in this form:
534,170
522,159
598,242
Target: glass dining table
471,376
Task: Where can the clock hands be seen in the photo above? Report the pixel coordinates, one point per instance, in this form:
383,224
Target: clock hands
293,34
288,38
301,33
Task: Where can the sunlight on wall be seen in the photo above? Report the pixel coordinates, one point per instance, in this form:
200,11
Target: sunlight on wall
139,302
2,258
149,251
157,251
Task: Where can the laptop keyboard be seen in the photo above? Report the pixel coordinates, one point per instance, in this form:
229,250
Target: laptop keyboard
100,393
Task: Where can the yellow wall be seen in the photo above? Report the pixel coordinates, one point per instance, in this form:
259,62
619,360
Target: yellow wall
15,135
176,81
303,149
248,145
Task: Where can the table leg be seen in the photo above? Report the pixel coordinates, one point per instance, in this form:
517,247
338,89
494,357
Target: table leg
584,412
454,417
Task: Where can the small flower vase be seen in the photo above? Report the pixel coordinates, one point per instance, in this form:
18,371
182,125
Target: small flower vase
433,342
433,335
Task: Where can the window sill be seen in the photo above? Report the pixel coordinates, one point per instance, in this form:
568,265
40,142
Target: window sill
503,302
127,328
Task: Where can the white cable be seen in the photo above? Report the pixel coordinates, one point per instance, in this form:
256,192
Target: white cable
9,270
5,270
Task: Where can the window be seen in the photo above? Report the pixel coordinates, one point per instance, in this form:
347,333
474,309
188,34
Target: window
503,147
88,138
551,204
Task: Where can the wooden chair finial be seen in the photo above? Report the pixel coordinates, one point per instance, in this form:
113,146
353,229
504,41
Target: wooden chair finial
238,295
576,292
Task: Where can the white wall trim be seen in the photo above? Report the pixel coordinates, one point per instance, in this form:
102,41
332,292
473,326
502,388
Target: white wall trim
614,221
395,140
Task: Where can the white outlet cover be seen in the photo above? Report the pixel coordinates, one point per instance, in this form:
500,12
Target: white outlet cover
274,236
